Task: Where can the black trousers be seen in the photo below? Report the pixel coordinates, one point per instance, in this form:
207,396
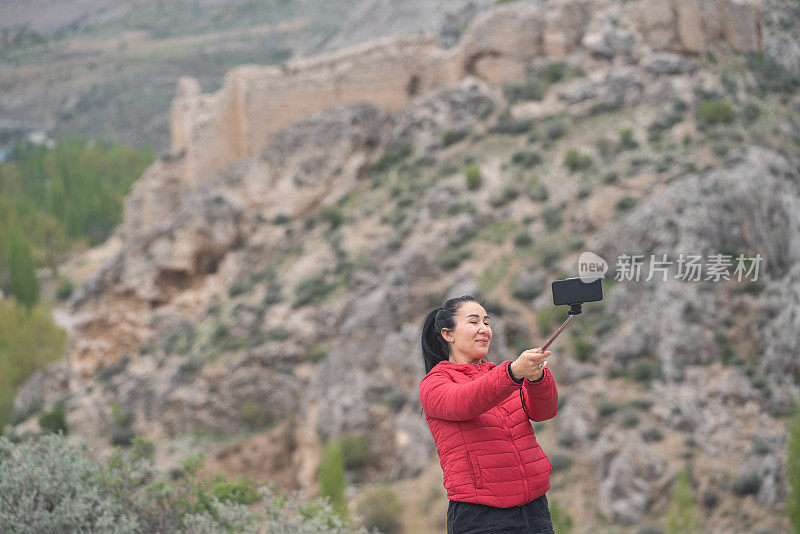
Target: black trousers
471,518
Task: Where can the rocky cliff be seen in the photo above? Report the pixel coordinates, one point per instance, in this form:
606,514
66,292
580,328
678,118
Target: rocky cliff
275,265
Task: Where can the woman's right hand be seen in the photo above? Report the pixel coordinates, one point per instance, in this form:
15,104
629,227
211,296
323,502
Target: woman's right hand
527,364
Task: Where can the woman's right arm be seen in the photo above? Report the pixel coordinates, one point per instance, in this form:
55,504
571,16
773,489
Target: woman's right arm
444,399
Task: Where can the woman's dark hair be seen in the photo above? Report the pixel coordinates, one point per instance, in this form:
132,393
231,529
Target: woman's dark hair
434,347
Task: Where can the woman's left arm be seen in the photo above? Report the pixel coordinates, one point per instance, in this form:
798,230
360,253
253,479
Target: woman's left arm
541,397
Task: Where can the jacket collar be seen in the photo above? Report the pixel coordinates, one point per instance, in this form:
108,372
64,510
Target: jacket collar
466,368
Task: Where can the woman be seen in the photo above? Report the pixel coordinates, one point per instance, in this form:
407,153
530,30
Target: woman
495,473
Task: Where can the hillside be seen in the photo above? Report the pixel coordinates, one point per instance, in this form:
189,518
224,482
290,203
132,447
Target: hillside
265,292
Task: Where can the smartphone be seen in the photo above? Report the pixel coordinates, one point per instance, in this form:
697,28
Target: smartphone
573,291
576,291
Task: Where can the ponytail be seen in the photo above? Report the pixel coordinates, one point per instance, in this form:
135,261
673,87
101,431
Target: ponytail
434,347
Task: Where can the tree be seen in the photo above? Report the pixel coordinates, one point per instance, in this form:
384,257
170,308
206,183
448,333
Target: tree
680,513
22,282
29,340
332,477
793,473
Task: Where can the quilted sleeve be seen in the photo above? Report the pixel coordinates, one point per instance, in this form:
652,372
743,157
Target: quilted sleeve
444,399
542,397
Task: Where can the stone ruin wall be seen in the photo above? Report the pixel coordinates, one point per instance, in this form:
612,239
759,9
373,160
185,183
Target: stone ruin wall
212,131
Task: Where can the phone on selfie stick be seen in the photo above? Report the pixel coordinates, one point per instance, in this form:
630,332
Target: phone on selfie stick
573,292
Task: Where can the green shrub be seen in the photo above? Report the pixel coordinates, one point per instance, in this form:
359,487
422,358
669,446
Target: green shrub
504,196
629,417
391,158
65,288
554,128
529,89
581,349
666,120
380,508
626,139
56,486
605,407
395,399
454,135
254,415
652,434
315,354
523,239
332,477
473,176
550,255
747,484
605,325
461,207
575,242
120,416
312,289
526,158
356,450
451,258
54,420
625,204
576,161
238,289
331,215
751,112
506,124
645,371
606,147
552,218
278,334
720,149
712,112
772,76
239,492
536,191
555,72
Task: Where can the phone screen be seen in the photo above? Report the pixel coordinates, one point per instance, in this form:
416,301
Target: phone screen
576,291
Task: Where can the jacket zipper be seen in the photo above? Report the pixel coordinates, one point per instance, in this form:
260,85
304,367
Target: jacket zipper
519,461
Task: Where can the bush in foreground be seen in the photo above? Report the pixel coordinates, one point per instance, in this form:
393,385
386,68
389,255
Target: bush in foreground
48,486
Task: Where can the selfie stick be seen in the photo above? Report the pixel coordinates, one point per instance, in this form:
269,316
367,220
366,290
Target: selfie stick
574,310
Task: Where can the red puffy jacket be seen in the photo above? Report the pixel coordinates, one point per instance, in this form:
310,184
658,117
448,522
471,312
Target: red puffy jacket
487,449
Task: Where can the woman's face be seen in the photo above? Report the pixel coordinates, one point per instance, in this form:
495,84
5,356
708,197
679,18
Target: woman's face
469,340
